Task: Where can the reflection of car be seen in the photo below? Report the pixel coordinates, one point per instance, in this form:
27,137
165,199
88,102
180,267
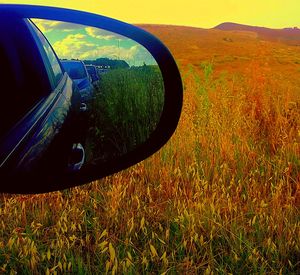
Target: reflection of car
102,69
78,72
40,104
92,70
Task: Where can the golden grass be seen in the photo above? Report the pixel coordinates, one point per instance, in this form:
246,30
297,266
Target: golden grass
222,196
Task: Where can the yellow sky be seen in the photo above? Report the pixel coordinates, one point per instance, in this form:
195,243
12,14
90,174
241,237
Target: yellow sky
198,13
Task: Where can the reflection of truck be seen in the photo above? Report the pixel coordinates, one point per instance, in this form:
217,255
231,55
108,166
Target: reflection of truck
93,72
102,69
78,72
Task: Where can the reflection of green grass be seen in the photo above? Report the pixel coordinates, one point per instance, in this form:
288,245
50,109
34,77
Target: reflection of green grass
127,107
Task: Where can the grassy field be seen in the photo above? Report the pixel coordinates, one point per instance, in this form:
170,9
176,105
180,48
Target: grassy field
221,197
126,108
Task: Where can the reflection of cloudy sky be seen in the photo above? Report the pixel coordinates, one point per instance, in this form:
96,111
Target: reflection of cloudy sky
82,42
49,25
103,34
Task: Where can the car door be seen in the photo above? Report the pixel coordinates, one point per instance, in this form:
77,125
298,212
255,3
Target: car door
41,139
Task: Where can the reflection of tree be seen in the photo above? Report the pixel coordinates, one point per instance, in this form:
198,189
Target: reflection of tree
112,63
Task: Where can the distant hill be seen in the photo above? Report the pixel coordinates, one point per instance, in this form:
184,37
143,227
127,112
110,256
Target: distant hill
232,47
191,45
291,35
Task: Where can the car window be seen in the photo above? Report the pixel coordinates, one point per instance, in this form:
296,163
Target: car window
23,77
54,70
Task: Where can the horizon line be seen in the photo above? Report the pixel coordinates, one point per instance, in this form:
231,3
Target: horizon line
208,28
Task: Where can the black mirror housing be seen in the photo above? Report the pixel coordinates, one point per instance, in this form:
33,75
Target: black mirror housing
173,95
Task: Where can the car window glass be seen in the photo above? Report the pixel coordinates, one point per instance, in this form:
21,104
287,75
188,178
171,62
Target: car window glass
56,70
23,77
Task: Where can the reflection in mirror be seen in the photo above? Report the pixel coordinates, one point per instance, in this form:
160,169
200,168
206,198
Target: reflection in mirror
120,83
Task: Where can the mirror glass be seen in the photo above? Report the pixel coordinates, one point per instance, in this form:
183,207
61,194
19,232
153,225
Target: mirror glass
120,84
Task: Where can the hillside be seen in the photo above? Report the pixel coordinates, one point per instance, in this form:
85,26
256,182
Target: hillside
287,35
235,49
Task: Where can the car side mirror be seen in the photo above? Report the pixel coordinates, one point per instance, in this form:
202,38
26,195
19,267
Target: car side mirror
61,130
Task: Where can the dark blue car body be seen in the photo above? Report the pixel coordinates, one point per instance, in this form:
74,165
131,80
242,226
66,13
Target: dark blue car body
40,105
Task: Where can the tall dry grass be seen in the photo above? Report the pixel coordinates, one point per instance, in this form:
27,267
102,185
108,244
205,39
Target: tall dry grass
221,197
